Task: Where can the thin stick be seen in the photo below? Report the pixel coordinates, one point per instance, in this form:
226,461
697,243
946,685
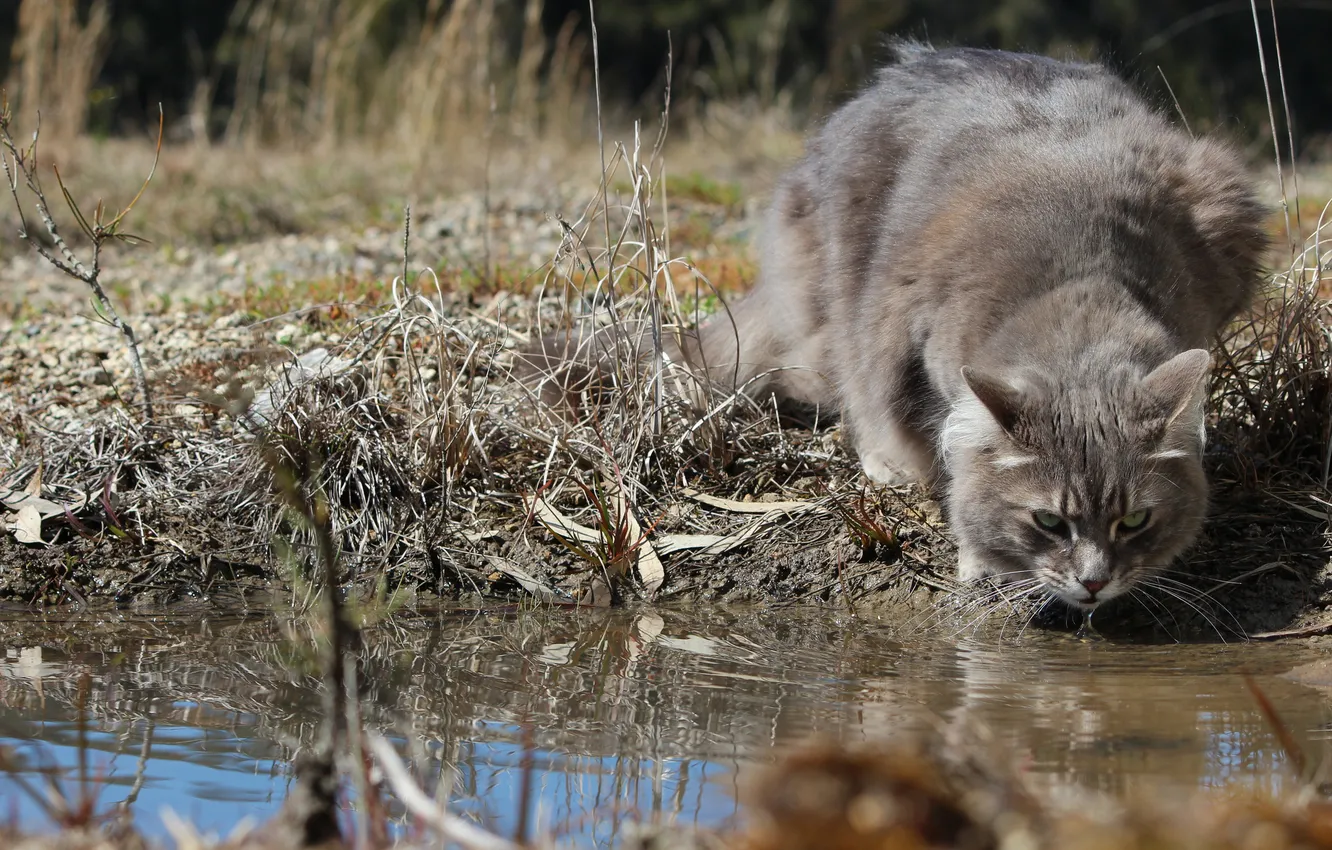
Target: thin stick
25,164
1271,119
1178,109
1290,129
418,803
601,137
485,196
406,241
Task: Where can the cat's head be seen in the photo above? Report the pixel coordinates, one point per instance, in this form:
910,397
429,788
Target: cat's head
1075,483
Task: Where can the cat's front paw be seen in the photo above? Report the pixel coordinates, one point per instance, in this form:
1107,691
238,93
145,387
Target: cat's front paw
970,566
880,471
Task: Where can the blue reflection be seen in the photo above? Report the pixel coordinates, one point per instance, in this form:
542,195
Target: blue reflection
213,780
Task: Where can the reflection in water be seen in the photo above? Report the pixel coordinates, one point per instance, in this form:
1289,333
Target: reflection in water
622,715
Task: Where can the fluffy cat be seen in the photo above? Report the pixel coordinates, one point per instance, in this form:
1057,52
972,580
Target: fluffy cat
1005,270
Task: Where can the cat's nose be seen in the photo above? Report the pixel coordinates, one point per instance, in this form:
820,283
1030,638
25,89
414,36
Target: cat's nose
1094,587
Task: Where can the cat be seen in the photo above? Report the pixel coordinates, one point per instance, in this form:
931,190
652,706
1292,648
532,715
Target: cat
1004,271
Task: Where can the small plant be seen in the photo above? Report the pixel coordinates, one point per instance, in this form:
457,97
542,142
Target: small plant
868,520
22,164
613,546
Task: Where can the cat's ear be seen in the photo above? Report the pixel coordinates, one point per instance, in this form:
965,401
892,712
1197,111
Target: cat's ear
1174,389
1001,398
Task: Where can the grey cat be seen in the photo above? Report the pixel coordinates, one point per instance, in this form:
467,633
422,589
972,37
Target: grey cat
1005,270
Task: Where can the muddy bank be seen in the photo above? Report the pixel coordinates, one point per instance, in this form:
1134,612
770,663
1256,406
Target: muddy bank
391,404
488,498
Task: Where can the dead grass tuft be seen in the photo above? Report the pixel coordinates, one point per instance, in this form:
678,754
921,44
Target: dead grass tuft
443,473
948,791
1273,390
57,54
317,71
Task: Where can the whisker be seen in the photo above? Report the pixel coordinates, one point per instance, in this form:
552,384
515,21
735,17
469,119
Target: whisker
1177,594
1000,595
1036,612
1139,595
1192,592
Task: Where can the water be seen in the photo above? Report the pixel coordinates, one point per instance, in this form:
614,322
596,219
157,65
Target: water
623,715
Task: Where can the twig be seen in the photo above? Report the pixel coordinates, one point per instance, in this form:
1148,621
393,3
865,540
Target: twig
1315,630
1271,118
339,659
490,273
1179,110
1290,126
418,803
406,241
24,164
1292,748
601,136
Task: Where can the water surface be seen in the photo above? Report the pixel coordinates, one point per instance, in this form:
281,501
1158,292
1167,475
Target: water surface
660,714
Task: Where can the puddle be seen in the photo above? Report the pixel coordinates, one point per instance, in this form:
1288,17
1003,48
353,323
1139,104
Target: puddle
623,716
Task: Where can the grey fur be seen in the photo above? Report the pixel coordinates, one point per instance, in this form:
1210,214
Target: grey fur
1034,223
1004,270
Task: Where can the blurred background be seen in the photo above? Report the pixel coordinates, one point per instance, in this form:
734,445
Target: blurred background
300,70
303,116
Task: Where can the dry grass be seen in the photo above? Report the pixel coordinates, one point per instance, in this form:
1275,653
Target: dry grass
225,195
426,436
335,123
434,462
57,54
322,72
205,198
1273,392
315,70
443,473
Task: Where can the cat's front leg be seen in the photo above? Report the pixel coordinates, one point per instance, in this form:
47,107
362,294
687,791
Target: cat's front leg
879,399
891,453
880,468
971,565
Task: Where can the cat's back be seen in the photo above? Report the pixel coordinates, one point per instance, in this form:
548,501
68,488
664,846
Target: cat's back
937,116
990,176
930,122
956,88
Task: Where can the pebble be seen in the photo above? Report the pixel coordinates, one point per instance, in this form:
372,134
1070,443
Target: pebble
53,342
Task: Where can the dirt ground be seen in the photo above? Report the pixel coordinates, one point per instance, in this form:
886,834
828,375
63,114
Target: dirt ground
440,477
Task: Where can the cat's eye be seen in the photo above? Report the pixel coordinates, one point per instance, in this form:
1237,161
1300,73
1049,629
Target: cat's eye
1135,521
1052,523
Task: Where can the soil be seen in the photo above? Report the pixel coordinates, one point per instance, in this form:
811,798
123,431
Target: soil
184,508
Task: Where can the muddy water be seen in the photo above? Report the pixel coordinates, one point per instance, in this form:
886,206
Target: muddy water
622,715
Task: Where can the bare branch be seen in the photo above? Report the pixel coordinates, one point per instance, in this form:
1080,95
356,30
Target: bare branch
24,167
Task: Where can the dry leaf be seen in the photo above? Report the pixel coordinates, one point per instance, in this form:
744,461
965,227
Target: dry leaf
15,499
34,487
561,526
26,523
751,507
528,582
